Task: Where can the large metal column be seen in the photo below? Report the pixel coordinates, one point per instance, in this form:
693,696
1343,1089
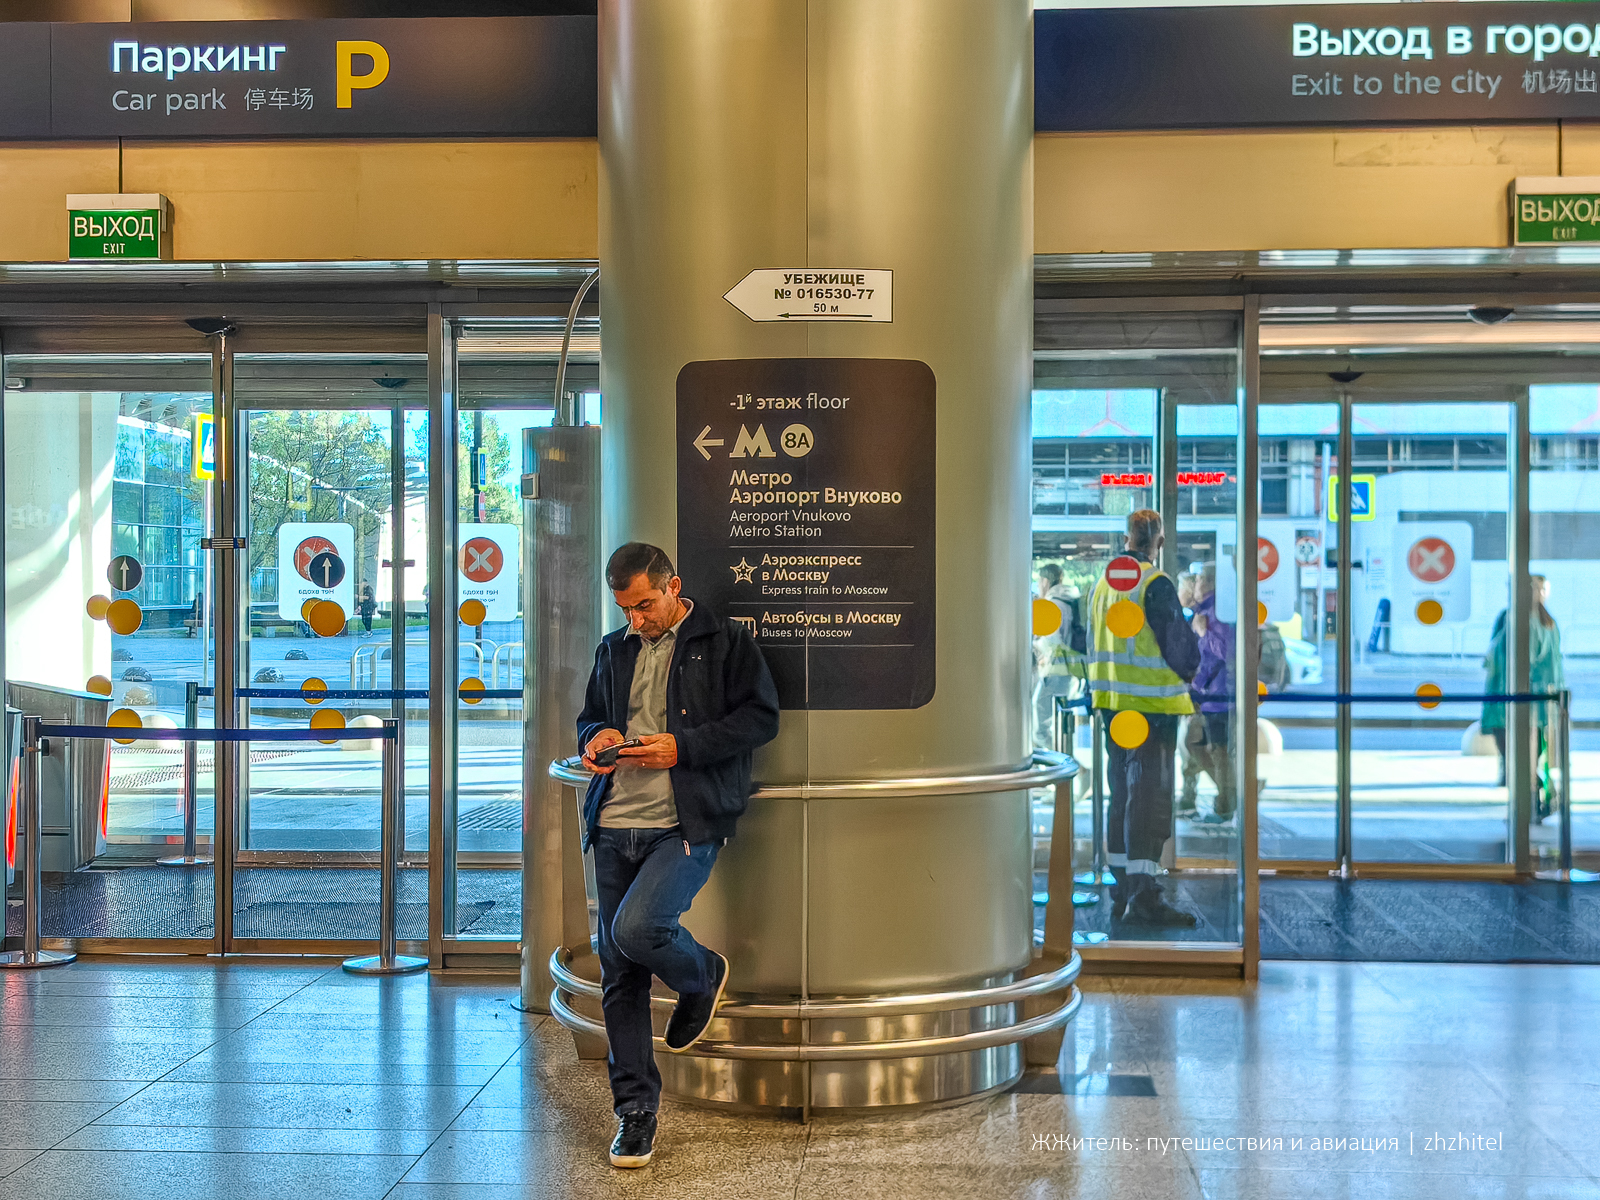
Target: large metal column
741,134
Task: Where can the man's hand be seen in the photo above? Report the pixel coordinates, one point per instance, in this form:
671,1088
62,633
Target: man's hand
606,737
660,751
1200,625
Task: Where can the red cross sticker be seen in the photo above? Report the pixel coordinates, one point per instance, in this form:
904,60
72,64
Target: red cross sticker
1266,559
1122,573
480,560
1431,559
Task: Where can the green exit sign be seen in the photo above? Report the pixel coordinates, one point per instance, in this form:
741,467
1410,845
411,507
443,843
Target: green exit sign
121,226
1555,210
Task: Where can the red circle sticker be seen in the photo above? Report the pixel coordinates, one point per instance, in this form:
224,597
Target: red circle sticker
1431,559
309,549
1122,573
1266,558
481,560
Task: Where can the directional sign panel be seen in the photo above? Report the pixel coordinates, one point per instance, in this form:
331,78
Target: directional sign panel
1363,490
203,456
487,568
1277,545
1433,561
316,560
806,513
812,294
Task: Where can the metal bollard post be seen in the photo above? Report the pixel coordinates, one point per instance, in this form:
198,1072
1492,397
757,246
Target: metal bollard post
1097,873
30,806
1064,793
191,785
391,835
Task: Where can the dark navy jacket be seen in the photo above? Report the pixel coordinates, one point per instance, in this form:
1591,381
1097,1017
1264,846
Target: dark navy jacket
721,705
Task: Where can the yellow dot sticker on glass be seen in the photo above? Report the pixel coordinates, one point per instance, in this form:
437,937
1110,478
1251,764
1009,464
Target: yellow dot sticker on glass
1261,614
124,718
96,607
470,690
305,608
1430,611
1046,617
99,685
1261,687
327,718
1124,618
327,619
124,616
313,690
1129,729
472,612
1429,689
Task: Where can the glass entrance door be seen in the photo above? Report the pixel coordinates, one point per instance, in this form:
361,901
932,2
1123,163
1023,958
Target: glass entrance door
333,496
1395,436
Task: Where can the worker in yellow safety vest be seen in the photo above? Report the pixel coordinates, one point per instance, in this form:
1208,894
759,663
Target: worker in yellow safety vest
1142,656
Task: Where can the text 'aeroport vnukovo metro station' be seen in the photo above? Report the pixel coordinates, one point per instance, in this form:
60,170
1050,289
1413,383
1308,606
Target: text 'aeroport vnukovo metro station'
800,598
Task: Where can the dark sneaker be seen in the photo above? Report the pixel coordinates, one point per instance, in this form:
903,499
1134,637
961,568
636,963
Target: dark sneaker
635,1141
692,1016
1149,906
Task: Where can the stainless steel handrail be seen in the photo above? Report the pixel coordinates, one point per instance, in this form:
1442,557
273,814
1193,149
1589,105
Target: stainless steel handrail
879,1006
982,1039
1048,767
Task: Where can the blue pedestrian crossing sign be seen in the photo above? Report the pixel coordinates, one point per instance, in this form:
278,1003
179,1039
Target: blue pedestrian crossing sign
1362,490
204,447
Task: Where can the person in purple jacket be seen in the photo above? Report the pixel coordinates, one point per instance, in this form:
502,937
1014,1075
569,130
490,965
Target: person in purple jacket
1210,741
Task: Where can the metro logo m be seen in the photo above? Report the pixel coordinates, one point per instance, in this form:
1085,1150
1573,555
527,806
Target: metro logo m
753,446
344,54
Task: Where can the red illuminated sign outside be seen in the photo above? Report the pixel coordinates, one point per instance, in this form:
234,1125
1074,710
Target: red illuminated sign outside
1185,479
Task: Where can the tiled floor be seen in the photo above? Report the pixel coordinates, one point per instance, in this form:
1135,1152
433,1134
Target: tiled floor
195,1080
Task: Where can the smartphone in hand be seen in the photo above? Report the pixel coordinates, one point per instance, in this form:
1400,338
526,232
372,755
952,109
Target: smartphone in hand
607,757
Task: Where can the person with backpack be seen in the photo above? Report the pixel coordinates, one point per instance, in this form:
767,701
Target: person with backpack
1058,662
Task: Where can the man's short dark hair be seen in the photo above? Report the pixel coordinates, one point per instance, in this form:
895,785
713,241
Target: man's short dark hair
1050,573
635,559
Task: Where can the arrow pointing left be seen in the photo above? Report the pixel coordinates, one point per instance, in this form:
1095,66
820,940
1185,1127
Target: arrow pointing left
701,442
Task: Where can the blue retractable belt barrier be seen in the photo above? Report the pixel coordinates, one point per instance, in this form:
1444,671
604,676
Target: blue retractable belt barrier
134,734
252,693
1397,698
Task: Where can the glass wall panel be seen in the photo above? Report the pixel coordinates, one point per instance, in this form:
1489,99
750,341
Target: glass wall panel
1564,551
1138,411
1435,549
506,385
1297,762
99,465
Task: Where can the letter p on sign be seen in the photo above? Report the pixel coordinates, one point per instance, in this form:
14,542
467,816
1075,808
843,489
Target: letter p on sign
344,53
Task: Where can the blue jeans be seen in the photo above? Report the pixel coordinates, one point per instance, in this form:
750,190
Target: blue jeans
646,879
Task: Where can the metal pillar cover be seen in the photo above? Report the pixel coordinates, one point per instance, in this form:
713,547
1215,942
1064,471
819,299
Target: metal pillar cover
745,134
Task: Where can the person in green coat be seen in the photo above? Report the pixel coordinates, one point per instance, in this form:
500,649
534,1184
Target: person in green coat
1545,674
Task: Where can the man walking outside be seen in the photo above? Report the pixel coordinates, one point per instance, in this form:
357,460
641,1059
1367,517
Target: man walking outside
692,694
1143,665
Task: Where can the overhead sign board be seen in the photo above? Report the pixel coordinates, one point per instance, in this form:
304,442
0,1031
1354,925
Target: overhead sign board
1555,210
1177,68
806,512
814,294
315,561
119,226
383,77
486,568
